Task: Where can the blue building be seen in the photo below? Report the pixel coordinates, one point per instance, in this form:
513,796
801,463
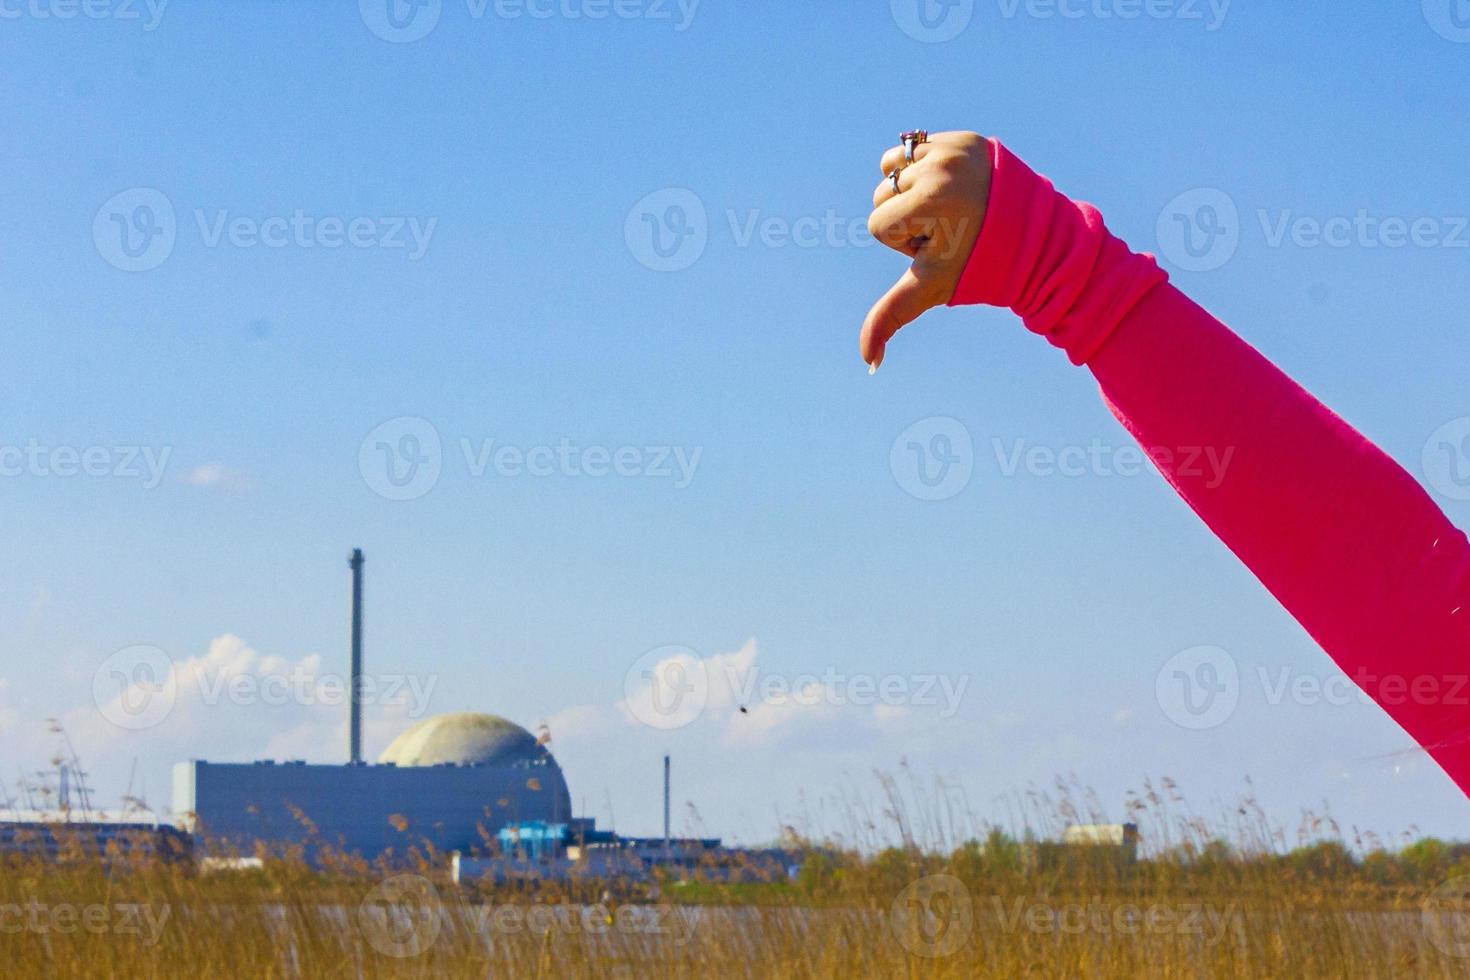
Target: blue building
451,782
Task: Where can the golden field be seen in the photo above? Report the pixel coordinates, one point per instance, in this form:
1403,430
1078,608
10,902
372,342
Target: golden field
902,892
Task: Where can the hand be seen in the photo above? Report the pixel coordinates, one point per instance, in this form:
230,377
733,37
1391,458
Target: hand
934,218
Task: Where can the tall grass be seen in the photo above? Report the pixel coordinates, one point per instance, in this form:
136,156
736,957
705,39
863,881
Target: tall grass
913,885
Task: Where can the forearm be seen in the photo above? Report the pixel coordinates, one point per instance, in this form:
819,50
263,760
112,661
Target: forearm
1339,533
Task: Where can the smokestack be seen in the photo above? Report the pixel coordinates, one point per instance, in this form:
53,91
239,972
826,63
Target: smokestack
355,732
667,849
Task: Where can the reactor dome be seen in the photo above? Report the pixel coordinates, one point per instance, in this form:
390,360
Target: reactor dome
466,738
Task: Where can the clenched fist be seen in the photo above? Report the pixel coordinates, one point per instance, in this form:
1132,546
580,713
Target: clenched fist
933,217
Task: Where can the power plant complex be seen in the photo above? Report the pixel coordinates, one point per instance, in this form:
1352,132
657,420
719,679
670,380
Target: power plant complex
473,785
474,790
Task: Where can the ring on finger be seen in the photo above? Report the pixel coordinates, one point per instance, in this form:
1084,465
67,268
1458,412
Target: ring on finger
894,178
911,141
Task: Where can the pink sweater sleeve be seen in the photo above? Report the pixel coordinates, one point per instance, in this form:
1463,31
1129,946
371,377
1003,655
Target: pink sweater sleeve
1341,535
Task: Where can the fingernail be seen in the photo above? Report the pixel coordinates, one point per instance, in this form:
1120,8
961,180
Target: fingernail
872,369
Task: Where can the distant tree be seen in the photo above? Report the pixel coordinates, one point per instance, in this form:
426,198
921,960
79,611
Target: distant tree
1327,859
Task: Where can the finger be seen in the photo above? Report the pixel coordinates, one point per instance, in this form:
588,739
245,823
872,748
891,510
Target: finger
895,159
884,192
909,299
900,222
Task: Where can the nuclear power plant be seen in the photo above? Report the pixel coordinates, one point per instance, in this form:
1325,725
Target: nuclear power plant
476,786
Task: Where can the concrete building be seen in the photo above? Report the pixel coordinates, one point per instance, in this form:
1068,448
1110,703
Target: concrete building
63,834
476,786
453,782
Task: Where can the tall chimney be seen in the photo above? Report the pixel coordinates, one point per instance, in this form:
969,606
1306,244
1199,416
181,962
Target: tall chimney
355,732
667,849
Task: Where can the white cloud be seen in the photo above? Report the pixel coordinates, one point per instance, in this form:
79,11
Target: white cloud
730,694
217,476
580,721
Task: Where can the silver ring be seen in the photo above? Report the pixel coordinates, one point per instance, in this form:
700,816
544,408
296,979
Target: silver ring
894,177
911,141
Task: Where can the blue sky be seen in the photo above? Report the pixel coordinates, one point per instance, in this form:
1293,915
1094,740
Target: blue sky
255,352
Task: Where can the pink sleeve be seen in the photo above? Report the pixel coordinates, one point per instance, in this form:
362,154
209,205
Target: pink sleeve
1341,535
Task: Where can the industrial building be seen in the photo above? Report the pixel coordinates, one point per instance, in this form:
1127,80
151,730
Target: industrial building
451,782
475,785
